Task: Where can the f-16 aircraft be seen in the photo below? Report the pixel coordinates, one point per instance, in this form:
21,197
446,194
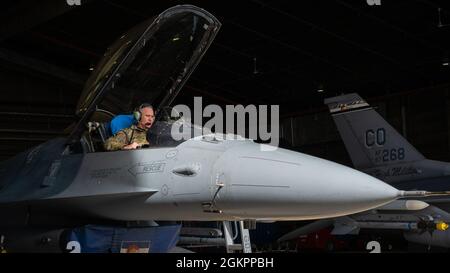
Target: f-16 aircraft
212,177
377,149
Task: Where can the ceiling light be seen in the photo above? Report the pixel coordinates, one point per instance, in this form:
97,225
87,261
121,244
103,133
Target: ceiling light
320,89
445,59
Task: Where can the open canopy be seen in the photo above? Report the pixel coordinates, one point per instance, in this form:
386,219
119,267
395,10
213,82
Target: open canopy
150,63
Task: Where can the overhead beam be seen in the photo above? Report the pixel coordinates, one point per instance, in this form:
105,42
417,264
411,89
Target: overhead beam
28,131
43,67
26,114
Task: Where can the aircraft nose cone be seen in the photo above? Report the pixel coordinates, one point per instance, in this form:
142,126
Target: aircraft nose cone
349,190
289,185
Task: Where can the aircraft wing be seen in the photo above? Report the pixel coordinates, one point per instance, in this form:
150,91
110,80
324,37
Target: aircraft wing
307,229
401,215
114,195
66,210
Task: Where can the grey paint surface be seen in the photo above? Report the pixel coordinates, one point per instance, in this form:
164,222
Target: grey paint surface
206,178
376,148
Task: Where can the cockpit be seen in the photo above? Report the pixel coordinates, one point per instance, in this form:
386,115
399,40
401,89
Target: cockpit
167,131
150,63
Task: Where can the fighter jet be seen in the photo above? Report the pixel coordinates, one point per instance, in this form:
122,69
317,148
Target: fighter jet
210,177
377,149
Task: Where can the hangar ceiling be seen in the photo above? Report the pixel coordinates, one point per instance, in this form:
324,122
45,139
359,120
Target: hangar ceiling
267,52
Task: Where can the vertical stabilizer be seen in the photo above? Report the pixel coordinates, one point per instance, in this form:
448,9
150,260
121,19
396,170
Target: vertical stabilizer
369,139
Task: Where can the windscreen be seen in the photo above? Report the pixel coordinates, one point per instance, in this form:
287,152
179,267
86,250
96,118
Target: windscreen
158,66
149,64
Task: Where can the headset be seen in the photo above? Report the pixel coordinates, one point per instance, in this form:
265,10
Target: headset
137,112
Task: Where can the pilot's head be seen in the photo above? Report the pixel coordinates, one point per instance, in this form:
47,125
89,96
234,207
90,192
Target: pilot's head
145,116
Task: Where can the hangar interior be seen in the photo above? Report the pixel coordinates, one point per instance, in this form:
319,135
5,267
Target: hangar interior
395,55
267,52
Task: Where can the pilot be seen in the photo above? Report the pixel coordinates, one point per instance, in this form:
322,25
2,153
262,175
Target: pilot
134,136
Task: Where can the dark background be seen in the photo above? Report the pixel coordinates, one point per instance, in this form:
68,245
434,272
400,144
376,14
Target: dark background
267,52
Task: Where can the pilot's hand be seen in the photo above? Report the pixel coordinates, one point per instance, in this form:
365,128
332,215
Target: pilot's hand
131,146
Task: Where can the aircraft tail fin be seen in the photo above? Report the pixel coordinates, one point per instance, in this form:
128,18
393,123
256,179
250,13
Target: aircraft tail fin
368,138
